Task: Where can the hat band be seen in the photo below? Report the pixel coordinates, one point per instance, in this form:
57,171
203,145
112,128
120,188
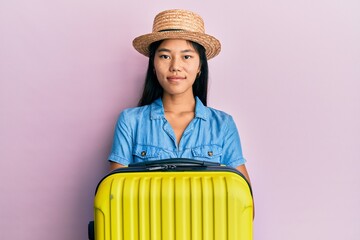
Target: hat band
169,30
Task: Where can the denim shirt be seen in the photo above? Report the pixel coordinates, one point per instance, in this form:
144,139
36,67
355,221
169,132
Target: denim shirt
144,134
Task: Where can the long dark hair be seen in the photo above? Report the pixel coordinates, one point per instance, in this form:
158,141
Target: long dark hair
152,88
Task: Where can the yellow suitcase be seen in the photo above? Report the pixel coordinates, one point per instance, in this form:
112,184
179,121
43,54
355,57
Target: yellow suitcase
175,199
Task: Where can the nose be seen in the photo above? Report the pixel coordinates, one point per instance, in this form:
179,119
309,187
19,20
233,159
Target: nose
175,65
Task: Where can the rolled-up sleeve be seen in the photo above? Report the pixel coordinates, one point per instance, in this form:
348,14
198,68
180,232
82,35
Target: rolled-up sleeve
121,151
232,151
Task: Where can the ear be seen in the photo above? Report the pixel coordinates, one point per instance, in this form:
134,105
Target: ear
198,74
199,70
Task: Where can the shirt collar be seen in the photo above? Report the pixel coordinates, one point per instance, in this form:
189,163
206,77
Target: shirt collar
157,109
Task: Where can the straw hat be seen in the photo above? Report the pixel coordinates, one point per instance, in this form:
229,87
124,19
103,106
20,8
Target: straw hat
178,24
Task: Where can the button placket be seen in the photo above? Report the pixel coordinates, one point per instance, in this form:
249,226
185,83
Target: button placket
169,131
186,134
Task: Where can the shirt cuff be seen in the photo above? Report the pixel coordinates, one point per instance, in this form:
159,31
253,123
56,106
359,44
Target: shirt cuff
118,159
237,162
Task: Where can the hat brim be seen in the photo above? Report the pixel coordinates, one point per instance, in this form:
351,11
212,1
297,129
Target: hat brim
211,44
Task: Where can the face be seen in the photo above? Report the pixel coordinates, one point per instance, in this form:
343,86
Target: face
176,65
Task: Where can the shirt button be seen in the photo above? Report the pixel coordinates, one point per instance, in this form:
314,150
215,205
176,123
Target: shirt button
210,153
143,153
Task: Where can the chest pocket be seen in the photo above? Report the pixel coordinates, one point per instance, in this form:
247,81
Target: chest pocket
209,153
143,153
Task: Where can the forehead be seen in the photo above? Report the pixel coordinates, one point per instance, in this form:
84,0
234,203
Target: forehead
176,45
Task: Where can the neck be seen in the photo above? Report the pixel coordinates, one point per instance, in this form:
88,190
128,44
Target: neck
178,104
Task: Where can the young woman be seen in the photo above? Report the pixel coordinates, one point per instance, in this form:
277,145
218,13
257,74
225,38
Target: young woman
172,120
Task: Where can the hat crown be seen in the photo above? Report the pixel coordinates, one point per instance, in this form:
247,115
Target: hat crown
178,20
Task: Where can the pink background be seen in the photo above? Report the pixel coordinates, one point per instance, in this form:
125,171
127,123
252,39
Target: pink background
289,73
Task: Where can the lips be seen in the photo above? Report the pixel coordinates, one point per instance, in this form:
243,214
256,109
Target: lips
175,78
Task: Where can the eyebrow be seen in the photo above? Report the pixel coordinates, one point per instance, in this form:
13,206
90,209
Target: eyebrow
168,50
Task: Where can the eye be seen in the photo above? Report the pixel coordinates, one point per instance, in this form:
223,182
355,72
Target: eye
164,56
187,56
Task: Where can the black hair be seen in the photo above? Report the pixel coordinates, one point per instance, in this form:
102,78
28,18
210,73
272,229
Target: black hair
152,88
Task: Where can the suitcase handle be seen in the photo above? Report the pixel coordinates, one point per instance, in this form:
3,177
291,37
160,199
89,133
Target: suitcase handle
175,162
